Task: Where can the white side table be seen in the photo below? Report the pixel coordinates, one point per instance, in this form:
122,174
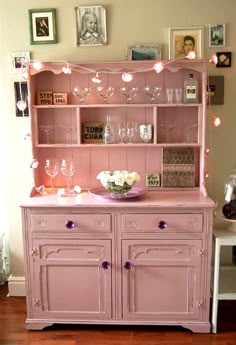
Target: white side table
224,285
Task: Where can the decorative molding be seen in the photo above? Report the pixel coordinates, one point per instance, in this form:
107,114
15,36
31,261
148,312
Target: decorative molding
16,286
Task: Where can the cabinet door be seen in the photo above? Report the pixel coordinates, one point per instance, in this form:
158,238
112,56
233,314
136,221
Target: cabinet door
161,279
72,278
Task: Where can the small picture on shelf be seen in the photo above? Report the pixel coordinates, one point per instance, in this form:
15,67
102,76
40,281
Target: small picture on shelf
144,51
153,180
21,93
92,132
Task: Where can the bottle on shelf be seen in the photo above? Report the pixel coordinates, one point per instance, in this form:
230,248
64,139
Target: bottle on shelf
191,90
108,135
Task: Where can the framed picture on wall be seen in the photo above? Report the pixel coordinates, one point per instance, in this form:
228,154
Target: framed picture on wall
224,59
42,23
19,61
21,93
182,40
91,26
216,35
144,51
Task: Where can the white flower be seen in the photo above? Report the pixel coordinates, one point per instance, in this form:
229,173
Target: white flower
118,177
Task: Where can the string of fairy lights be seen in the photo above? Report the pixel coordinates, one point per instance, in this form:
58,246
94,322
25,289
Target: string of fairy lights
68,68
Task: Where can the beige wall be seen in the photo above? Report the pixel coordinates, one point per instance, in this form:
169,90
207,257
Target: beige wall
128,21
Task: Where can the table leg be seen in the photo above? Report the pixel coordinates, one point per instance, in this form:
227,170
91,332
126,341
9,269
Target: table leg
215,286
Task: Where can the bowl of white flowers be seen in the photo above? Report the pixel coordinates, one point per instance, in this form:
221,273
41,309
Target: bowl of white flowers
119,182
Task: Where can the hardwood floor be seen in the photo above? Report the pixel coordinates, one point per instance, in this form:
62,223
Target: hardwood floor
13,332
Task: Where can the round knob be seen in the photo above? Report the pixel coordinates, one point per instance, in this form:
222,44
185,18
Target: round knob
162,225
106,265
128,265
70,224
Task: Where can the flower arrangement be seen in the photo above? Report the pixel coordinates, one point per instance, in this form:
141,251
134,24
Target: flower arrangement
118,182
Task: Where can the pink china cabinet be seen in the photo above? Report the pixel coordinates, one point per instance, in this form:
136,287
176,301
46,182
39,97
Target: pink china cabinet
141,260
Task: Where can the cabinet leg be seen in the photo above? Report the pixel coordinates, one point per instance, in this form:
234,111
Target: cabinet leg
215,286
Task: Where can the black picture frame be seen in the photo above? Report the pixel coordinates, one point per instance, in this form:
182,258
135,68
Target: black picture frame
21,88
224,59
215,90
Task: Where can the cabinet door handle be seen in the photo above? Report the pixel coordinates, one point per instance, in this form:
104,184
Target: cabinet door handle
128,265
70,224
162,225
106,265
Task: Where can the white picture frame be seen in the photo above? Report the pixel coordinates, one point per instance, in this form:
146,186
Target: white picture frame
91,26
216,35
143,51
19,61
193,36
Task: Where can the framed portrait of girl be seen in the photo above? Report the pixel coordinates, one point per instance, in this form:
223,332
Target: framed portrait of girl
91,26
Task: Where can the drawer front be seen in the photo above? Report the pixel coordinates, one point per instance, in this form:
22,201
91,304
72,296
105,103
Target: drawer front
71,222
156,223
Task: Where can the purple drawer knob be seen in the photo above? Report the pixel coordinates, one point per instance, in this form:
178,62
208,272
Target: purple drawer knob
106,265
162,225
128,265
70,224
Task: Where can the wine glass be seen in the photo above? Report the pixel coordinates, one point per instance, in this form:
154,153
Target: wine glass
67,169
129,93
48,130
52,169
68,131
152,92
81,92
105,92
168,128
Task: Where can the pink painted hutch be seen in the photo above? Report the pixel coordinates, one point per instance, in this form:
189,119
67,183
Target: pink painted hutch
139,261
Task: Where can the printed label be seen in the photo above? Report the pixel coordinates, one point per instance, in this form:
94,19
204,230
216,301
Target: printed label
191,92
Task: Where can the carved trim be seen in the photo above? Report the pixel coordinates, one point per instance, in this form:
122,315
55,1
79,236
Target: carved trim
46,250
130,223
40,223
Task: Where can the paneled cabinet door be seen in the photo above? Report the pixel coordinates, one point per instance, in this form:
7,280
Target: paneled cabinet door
161,279
72,278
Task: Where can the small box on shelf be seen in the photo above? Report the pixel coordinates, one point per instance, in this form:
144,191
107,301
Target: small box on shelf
44,98
59,98
92,132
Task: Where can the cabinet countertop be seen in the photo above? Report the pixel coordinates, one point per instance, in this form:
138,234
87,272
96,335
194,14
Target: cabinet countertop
180,199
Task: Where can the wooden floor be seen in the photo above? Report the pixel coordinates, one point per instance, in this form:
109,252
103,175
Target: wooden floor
13,332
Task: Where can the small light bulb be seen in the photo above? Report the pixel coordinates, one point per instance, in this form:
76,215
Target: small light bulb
96,79
40,189
191,55
127,77
213,59
37,65
34,164
66,69
216,121
158,67
207,152
206,175
21,105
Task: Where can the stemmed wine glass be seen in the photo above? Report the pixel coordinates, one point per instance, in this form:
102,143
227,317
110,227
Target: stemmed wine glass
68,131
105,92
81,92
52,169
67,169
48,130
129,93
168,128
152,92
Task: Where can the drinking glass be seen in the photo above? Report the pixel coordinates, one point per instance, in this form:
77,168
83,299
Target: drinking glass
67,169
105,92
48,130
129,93
81,92
152,92
178,95
52,169
132,129
122,133
168,128
68,131
169,94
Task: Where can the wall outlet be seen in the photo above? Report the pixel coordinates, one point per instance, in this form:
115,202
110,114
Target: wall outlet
153,180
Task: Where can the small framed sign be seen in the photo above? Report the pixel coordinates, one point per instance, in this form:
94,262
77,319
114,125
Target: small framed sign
153,180
44,98
93,132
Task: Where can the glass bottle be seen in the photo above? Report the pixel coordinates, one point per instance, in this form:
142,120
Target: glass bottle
108,135
191,90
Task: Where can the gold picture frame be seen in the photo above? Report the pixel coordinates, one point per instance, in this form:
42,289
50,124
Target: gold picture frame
185,39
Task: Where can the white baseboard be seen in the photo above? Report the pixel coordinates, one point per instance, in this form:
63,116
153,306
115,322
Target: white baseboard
16,286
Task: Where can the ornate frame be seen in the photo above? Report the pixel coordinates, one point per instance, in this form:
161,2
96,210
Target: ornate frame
143,51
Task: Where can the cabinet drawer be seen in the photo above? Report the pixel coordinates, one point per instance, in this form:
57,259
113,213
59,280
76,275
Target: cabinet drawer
71,222
156,223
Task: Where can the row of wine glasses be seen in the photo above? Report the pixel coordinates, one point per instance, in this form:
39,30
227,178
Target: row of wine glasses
129,92
52,168
48,130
